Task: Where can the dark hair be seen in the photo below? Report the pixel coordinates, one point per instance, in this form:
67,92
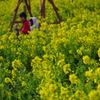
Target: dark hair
23,14
31,21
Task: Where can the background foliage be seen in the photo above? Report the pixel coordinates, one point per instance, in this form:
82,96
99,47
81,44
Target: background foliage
59,62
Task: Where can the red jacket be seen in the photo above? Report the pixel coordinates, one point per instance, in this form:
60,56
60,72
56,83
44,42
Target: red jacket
25,27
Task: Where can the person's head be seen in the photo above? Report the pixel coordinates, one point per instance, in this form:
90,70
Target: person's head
31,22
23,16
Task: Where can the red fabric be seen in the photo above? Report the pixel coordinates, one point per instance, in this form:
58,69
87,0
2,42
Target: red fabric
25,27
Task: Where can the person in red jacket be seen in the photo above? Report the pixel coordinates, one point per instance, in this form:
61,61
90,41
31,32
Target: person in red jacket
25,23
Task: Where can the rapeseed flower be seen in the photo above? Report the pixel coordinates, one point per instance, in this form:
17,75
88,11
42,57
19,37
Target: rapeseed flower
1,58
99,52
66,68
52,87
74,79
94,95
1,85
86,60
7,80
23,83
17,64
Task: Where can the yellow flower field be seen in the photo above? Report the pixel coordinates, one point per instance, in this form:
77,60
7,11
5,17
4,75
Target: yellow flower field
57,62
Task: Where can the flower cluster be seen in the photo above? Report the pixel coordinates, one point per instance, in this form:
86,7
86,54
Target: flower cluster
56,62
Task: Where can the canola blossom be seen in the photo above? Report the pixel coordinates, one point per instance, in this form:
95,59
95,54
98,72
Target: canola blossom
56,62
